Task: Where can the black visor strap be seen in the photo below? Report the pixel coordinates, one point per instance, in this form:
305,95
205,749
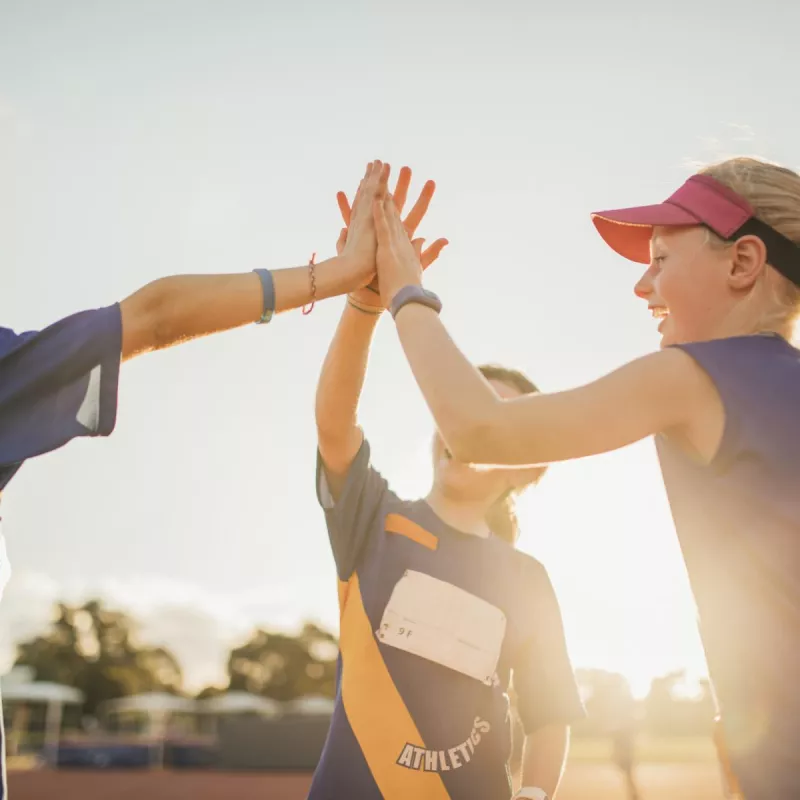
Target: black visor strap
782,253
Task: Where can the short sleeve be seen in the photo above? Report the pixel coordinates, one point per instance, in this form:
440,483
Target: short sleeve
357,514
58,384
542,673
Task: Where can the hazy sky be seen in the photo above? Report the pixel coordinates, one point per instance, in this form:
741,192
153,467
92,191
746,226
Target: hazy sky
141,138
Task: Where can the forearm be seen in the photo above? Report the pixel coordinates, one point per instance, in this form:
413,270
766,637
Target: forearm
339,388
543,757
461,400
664,391
293,285
176,309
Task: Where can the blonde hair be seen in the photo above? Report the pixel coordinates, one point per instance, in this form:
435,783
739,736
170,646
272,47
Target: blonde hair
774,194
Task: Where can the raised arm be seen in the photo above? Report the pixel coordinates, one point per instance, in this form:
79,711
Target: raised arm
173,310
663,392
339,390
342,376
183,307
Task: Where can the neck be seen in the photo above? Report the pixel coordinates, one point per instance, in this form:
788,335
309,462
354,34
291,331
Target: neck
463,516
756,313
748,327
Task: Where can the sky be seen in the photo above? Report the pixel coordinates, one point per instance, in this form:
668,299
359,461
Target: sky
139,139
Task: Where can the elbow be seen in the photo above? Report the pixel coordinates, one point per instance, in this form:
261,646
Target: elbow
161,318
474,441
334,431
327,427
146,320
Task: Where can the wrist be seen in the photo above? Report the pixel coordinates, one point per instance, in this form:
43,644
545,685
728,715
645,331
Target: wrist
414,294
335,276
350,272
395,290
357,302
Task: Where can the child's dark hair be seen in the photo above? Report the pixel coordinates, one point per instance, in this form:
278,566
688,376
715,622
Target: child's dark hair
502,516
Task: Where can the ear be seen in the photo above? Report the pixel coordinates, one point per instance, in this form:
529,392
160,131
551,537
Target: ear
749,257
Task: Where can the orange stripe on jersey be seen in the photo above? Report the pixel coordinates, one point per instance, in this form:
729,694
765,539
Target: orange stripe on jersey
344,588
405,527
377,714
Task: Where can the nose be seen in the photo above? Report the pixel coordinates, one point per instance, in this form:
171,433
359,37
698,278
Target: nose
644,286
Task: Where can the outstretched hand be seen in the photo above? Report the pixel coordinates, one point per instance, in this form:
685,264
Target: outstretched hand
399,263
370,294
359,246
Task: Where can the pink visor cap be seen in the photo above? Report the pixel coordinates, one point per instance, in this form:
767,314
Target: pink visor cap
702,200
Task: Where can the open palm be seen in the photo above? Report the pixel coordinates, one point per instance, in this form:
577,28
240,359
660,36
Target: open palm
370,295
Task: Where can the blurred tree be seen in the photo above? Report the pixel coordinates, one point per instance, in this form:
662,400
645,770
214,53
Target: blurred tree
604,695
674,707
210,691
95,650
285,667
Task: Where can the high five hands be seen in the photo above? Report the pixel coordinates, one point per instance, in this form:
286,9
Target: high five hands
361,220
397,260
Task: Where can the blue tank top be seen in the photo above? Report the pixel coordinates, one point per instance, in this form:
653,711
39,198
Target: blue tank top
738,522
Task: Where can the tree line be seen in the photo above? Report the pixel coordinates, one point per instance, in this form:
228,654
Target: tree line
98,650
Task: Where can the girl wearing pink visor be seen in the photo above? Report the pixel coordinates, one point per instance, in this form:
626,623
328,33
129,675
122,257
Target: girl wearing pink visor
722,398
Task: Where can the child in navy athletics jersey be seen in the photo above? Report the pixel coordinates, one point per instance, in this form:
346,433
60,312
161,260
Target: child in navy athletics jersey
722,398
438,611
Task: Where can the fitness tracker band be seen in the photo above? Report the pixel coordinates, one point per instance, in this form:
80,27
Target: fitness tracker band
415,294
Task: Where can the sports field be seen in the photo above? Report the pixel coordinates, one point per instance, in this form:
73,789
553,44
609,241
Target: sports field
669,769
697,781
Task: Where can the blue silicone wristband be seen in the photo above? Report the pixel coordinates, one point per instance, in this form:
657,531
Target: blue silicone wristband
268,288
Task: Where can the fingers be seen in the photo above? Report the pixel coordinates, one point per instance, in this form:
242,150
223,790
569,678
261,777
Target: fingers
375,178
341,241
376,173
430,254
383,181
401,190
381,223
366,191
344,206
396,228
420,208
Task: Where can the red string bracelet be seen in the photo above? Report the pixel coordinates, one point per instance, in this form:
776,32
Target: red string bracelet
313,278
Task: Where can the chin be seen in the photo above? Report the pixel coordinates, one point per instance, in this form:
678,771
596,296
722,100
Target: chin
456,487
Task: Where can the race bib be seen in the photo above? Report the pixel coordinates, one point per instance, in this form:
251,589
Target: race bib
437,621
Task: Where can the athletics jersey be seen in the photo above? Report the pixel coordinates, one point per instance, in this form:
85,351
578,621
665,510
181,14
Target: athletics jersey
433,624
738,521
